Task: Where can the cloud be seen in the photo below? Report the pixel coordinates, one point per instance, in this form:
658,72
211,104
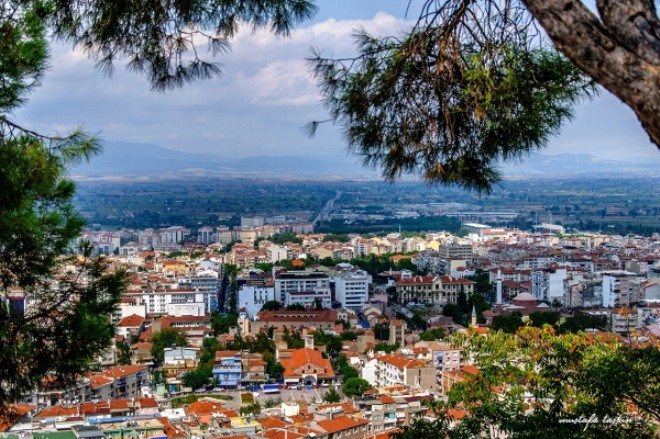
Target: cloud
258,106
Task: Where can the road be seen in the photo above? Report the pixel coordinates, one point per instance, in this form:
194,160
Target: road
325,212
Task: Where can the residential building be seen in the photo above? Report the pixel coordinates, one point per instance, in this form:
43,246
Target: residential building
352,288
227,368
298,281
309,299
251,298
393,370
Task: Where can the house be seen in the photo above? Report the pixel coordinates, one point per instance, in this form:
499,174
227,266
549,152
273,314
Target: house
227,368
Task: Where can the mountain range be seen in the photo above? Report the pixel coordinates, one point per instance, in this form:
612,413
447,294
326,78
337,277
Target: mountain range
126,159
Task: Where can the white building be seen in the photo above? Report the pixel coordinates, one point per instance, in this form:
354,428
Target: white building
299,281
352,288
252,298
160,301
309,298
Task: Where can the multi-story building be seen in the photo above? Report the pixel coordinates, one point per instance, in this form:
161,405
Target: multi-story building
620,288
177,361
299,281
352,288
395,370
319,297
548,284
157,301
251,298
397,333
379,410
227,368
205,235
434,290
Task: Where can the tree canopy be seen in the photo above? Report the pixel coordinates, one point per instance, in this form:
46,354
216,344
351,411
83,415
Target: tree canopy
538,384
469,86
165,338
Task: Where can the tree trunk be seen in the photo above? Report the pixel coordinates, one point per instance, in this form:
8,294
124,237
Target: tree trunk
621,52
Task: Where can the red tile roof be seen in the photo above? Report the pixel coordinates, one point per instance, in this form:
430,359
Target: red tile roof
341,423
132,321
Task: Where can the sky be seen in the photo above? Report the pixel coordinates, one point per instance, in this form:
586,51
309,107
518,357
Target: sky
267,94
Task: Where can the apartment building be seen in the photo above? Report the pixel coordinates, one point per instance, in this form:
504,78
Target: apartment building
352,288
395,370
251,298
299,281
227,368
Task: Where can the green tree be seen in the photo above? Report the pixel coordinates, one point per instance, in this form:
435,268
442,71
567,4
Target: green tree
508,323
195,379
124,353
432,334
473,83
385,347
284,238
293,339
271,305
538,384
355,386
336,238
582,322
332,396
57,336
166,338
221,324
539,319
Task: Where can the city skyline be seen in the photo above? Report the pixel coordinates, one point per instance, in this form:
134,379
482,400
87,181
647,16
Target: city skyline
266,95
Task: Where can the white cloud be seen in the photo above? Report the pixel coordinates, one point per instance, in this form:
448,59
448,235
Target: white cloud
265,96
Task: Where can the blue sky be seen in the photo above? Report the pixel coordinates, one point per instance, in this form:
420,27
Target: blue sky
266,96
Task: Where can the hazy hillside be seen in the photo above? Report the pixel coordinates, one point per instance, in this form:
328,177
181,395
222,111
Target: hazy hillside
125,159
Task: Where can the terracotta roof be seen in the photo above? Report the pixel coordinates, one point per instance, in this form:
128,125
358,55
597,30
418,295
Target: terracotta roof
57,410
225,354
272,422
96,381
306,356
341,423
401,362
470,370
132,321
456,280
204,408
12,413
122,371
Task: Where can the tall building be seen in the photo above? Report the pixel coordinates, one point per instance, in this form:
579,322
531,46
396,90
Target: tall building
251,298
352,288
299,281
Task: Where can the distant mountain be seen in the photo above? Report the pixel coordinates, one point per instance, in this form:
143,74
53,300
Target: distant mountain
577,164
125,159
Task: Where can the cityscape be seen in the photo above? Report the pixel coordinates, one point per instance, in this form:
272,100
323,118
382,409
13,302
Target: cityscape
270,328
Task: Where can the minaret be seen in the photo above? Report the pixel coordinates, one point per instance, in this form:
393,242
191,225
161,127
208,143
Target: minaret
499,287
473,321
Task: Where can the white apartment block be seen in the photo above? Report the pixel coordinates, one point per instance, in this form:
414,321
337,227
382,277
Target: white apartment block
309,298
252,298
352,288
620,288
299,281
162,301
